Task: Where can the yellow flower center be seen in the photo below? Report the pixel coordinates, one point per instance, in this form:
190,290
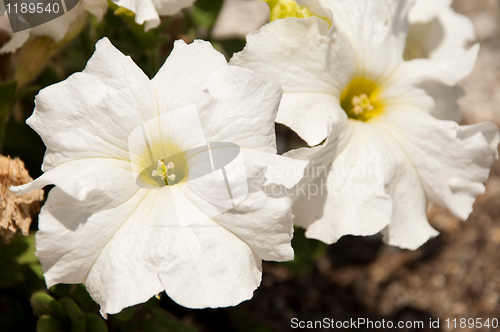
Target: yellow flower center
361,99
169,170
290,8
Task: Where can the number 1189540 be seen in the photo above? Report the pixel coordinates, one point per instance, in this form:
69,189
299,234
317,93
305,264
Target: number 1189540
472,323
31,7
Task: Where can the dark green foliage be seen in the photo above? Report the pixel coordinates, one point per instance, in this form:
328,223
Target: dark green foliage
43,304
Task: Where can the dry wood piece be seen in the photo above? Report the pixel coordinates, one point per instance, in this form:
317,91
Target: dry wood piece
16,211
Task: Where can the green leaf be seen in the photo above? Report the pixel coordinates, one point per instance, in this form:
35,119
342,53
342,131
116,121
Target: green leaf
44,304
307,252
7,92
95,323
49,324
125,315
74,314
28,257
167,320
82,297
205,12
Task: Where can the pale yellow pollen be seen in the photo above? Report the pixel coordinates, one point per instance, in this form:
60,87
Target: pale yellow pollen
171,177
170,165
361,103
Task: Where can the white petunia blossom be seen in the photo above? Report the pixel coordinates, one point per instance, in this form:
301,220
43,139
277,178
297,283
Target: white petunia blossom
437,31
149,11
134,210
58,28
384,156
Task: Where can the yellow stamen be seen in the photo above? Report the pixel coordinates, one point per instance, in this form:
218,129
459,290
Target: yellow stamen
361,104
160,171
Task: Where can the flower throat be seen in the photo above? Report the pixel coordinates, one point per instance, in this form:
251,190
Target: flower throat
361,99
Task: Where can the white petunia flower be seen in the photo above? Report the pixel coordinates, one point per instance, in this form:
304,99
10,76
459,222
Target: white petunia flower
58,28
436,32
149,11
134,210
385,157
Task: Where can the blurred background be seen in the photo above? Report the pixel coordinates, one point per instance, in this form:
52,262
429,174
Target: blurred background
456,275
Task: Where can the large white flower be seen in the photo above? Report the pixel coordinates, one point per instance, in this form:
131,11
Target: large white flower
134,210
437,31
384,156
149,11
58,28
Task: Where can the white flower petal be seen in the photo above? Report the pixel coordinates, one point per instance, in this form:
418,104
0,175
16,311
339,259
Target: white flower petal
263,221
449,69
125,272
304,57
351,197
426,10
489,131
409,228
127,254
370,186
316,7
376,29
102,105
262,218
232,102
122,243
437,28
452,167
106,181
458,31
180,128
446,99
171,7
280,170
17,40
209,267
319,107
237,18
242,110
299,54
182,78
269,177
144,10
